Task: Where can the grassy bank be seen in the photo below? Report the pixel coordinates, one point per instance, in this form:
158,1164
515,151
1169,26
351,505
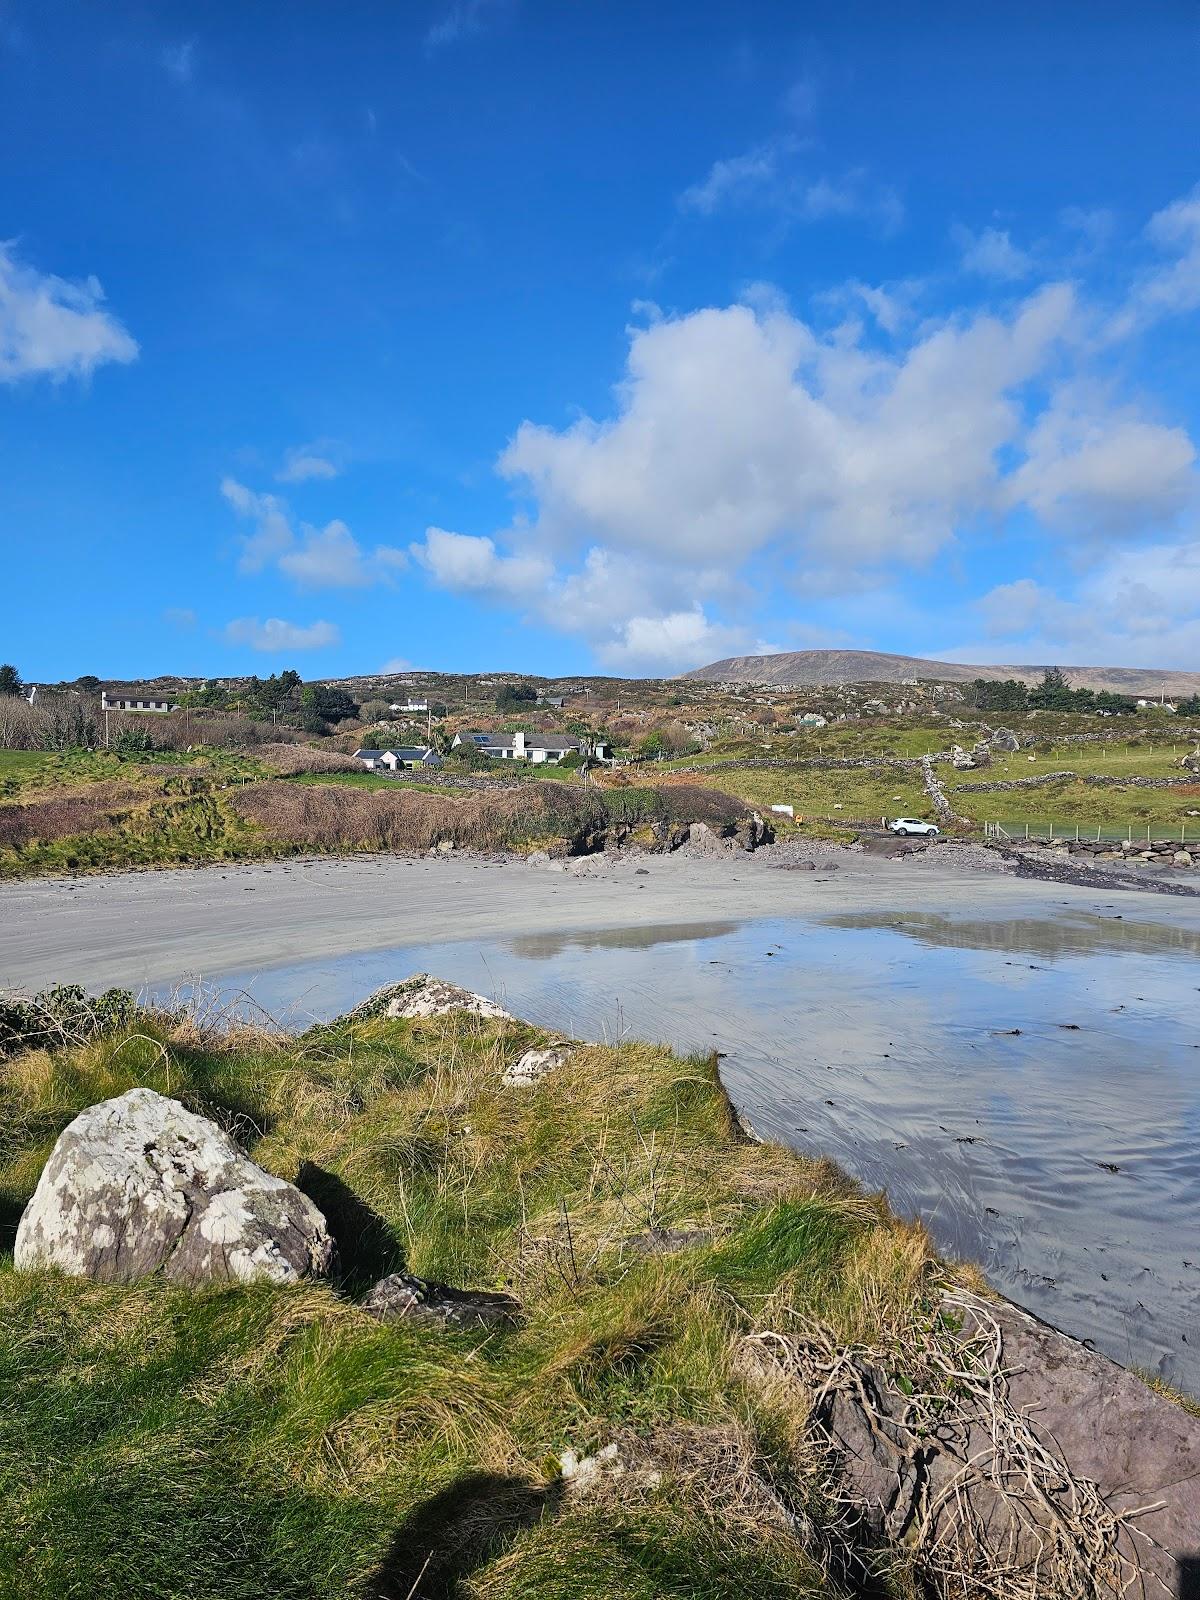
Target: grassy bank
254,1442
90,811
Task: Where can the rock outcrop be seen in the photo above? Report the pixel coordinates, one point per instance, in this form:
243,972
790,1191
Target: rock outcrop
140,1184
425,996
1035,1466
404,1297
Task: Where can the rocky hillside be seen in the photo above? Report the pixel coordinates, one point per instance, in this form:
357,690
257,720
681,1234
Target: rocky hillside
811,668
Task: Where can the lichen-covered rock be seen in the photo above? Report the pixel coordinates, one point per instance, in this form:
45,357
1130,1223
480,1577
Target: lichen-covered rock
400,1295
425,996
139,1184
533,1065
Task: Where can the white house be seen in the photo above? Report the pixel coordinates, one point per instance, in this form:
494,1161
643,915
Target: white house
811,719
135,703
534,747
411,705
406,757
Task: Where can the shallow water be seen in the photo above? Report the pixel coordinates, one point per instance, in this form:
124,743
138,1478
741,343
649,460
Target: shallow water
889,1043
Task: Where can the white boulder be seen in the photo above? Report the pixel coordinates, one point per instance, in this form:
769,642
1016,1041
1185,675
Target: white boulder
140,1184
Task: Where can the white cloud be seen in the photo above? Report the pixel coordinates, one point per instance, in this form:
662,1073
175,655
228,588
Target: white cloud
179,60
675,642
272,534
304,463
734,432
1135,608
992,254
316,558
276,634
54,328
331,558
1104,472
397,664
462,20
769,177
470,564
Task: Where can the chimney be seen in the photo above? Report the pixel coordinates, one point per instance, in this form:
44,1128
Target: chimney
518,745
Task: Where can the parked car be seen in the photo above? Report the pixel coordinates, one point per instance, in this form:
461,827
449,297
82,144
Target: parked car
913,825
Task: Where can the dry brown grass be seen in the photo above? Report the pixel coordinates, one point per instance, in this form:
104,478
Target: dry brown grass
98,809
334,818
289,760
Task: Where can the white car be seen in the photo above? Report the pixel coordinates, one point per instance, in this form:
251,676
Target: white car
912,825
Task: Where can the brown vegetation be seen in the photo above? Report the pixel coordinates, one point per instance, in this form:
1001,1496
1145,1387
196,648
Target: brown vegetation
95,810
290,760
331,818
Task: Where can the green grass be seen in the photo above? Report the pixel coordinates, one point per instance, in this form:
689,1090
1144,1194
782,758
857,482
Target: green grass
253,1442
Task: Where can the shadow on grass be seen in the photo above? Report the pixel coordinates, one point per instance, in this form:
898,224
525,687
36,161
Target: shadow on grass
452,1534
10,1214
367,1248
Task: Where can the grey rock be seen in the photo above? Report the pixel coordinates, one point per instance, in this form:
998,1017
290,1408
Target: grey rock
425,996
139,1184
533,1066
403,1296
1005,739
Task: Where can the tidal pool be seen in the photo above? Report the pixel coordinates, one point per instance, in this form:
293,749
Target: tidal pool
1029,1087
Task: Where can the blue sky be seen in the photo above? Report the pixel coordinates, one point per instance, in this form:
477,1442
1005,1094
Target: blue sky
596,336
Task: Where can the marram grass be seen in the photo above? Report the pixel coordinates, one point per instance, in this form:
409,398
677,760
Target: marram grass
256,1443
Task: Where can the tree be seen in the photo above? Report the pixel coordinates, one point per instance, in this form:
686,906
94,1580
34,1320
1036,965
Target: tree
1054,693
324,704
10,680
653,746
88,683
516,694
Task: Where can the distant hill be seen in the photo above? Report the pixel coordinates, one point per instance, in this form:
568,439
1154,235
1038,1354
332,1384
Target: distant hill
811,668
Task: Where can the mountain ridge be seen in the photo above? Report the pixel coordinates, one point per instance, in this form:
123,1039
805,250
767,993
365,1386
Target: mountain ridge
824,668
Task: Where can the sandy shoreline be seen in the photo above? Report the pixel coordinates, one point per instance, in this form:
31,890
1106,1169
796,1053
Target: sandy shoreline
157,927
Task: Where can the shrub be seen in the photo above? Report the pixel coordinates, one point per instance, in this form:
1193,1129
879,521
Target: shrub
63,1015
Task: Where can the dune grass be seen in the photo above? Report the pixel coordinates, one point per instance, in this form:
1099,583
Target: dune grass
256,1442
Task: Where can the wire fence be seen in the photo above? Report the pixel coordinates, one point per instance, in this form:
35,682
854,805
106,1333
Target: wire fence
1049,831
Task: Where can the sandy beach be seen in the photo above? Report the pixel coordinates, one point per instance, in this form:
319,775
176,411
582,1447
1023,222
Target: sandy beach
157,927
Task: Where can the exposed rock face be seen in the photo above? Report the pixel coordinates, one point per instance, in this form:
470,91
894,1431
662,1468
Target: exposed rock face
1005,739
139,1184
1045,1458
436,1305
533,1066
426,996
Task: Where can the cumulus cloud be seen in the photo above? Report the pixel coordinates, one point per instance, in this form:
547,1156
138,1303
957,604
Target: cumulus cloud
681,639
52,327
316,558
736,430
276,634
1103,472
746,439
471,564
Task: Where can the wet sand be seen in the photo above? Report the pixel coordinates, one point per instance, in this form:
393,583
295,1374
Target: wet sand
132,929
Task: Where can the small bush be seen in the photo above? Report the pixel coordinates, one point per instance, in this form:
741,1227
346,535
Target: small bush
63,1015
